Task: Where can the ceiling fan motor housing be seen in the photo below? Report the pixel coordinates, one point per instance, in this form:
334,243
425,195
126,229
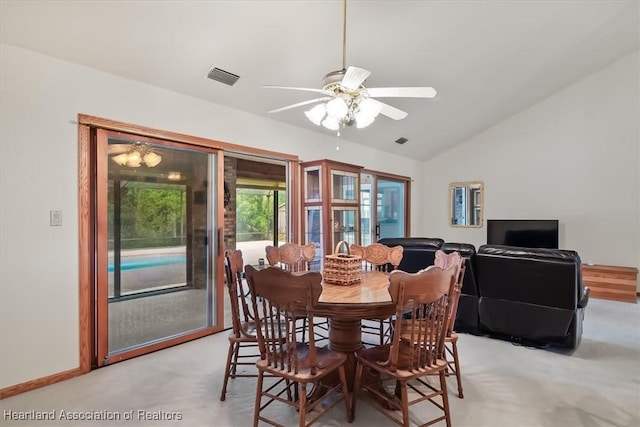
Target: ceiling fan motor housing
333,77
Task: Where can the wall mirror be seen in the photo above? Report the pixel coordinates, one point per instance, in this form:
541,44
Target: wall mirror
465,204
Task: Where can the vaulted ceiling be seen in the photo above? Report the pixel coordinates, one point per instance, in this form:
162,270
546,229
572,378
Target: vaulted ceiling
488,60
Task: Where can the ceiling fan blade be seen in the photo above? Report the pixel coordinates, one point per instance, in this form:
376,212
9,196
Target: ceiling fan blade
354,77
307,89
300,104
391,112
401,92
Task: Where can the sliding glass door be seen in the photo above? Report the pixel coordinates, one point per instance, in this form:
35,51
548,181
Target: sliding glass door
390,208
384,207
156,213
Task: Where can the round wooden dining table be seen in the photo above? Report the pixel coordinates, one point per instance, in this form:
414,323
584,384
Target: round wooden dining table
346,306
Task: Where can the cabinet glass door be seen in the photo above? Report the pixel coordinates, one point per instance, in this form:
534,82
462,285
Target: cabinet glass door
345,225
312,184
313,227
344,186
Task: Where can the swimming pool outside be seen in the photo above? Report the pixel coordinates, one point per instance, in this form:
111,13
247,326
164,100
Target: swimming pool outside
132,259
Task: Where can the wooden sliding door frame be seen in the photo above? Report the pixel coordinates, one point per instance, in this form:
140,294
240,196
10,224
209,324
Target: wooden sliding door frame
87,127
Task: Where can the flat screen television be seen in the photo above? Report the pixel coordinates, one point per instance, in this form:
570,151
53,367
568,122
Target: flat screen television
525,233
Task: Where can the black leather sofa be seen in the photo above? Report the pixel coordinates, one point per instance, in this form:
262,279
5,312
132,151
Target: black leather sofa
529,296
419,252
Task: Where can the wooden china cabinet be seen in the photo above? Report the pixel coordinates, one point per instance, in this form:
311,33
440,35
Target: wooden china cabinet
331,201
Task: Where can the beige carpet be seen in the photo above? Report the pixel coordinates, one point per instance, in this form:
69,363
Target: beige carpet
504,385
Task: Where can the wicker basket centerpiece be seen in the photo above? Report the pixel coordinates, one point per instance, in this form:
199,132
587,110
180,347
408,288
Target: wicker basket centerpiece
342,268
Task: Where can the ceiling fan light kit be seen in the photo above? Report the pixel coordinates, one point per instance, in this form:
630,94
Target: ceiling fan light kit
316,114
348,101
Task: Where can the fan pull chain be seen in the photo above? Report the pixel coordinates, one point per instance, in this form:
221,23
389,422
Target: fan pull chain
338,140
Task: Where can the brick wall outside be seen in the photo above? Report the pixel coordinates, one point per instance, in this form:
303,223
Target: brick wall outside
230,174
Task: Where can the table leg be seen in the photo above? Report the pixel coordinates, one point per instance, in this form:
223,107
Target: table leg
345,336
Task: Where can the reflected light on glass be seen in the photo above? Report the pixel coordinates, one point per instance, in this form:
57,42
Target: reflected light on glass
151,159
121,159
135,159
138,154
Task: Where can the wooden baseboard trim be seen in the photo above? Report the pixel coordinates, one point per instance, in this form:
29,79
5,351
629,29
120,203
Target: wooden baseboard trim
40,382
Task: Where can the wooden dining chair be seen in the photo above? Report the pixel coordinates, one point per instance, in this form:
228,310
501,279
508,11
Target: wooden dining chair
291,256
279,298
416,347
378,257
295,258
242,338
444,261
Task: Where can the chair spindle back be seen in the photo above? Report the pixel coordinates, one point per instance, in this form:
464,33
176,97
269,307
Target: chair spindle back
419,339
240,310
445,261
279,298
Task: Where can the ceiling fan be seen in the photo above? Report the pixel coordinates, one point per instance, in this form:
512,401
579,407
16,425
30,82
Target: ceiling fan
348,101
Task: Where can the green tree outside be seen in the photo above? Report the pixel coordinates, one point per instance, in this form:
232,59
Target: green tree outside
154,215
254,213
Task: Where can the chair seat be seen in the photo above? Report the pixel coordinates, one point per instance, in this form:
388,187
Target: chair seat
376,357
451,338
247,333
326,359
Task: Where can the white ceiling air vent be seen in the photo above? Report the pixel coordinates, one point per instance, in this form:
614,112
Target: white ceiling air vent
401,140
223,76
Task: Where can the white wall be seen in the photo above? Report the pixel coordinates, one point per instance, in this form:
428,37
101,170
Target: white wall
39,103
573,157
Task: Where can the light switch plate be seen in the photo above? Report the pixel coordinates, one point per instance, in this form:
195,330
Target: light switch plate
55,218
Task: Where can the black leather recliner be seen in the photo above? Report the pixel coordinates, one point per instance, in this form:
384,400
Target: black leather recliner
534,296
467,316
419,252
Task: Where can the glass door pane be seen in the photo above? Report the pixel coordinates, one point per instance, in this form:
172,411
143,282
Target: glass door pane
366,212
261,220
390,208
312,184
314,227
345,225
160,210
343,186
382,215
